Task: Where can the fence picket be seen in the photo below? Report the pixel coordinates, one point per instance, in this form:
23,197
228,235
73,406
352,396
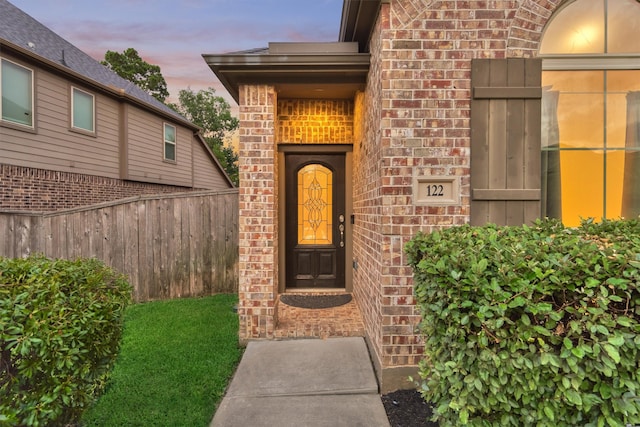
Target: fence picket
169,246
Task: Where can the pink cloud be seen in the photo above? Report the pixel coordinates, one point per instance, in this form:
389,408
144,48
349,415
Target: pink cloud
177,45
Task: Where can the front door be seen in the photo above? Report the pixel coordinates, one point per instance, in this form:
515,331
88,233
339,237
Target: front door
315,220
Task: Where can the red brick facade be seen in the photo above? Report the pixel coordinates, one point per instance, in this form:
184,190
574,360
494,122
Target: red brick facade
40,190
412,120
258,262
315,121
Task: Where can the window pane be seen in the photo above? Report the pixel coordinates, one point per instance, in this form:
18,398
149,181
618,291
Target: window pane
623,26
616,119
169,142
623,95
16,94
582,185
578,28
169,133
614,183
315,205
623,80
631,185
82,110
169,151
580,111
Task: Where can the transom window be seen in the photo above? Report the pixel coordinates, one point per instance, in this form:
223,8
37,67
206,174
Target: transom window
83,110
591,111
169,142
17,93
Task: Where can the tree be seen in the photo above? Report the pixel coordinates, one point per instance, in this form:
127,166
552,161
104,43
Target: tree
229,161
213,114
130,66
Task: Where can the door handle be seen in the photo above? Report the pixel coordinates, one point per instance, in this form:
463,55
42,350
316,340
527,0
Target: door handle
341,228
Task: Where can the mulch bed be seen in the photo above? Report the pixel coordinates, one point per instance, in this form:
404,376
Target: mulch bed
406,408
315,301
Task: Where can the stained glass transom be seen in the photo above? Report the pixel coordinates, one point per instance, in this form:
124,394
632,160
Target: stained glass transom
315,205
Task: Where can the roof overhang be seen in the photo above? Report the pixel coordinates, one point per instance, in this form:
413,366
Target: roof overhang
297,70
358,19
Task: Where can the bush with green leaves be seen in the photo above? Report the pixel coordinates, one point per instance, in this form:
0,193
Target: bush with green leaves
60,328
532,325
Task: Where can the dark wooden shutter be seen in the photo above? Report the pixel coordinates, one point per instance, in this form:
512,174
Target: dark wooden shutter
505,140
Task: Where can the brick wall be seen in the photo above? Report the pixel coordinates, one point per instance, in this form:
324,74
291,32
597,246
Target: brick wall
367,204
258,262
40,190
315,121
415,118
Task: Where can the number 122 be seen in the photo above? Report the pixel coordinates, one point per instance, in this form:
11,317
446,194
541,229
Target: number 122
435,190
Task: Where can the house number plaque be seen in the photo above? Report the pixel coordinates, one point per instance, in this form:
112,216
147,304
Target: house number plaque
430,190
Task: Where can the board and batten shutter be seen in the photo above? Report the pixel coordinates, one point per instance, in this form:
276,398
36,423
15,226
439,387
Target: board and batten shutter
505,140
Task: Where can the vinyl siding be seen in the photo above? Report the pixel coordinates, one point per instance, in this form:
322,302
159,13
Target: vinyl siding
204,176
53,145
146,151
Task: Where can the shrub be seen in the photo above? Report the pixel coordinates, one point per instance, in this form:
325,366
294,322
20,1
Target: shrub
530,325
60,326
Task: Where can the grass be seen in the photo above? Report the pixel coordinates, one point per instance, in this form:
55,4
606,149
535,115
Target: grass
175,362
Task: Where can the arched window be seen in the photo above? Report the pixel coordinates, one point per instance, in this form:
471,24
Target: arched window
591,111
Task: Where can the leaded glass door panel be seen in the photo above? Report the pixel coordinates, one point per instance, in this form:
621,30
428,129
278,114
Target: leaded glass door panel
315,223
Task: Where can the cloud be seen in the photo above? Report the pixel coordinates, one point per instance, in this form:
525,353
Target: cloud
175,33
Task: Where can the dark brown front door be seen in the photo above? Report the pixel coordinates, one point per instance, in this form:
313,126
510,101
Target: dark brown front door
315,220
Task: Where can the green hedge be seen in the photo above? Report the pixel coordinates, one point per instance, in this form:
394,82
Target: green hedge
530,325
60,327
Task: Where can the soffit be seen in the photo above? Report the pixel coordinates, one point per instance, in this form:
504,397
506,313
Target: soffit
297,70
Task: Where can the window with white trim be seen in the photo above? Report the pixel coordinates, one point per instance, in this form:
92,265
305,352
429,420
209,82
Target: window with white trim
16,89
169,142
591,111
82,110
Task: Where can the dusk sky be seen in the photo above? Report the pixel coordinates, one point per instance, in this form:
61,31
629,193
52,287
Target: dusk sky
175,33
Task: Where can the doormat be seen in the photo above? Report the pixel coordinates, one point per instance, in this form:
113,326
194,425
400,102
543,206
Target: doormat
315,301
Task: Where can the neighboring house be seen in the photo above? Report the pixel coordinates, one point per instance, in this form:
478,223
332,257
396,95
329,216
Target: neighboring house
73,133
425,114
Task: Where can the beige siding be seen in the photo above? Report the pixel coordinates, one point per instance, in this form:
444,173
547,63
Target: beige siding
146,156
54,146
204,175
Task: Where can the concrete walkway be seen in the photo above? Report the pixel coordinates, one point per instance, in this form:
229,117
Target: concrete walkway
303,383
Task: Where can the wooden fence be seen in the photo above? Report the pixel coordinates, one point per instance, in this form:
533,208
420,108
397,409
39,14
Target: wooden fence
169,246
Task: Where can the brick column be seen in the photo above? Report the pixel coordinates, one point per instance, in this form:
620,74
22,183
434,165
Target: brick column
257,234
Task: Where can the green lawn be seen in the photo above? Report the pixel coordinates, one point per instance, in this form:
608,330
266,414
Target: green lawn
175,362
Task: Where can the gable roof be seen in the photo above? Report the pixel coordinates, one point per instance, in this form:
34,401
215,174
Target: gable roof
29,37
